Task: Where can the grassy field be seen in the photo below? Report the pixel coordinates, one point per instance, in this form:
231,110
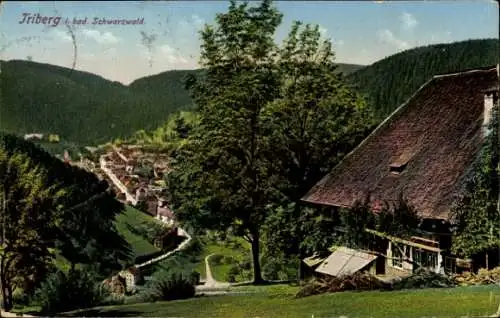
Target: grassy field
132,218
278,301
226,249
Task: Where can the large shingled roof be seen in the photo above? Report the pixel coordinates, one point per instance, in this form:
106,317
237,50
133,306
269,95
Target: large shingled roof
433,139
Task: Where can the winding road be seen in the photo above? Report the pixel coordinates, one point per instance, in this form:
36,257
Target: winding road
130,197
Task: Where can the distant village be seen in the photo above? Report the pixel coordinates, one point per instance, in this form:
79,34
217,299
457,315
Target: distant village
135,175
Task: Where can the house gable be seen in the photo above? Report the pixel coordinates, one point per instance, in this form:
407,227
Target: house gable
422,150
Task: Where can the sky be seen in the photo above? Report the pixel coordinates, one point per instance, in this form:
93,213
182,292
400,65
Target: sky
362,32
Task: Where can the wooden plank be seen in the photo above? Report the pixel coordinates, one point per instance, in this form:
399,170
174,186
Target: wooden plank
402,241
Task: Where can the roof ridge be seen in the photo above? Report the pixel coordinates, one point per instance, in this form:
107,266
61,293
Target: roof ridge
479,69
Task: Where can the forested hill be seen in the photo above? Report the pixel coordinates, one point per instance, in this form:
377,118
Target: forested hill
389,82
86,109
81,107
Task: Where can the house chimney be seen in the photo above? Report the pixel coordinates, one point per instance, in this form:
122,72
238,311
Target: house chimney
490,98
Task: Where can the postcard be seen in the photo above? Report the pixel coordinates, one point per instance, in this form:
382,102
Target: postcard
249,158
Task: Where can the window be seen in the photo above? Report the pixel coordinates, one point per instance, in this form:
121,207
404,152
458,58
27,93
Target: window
397,169
398,165
397,256
425,259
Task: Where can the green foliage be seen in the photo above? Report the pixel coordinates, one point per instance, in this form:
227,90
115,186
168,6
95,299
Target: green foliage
79,106
52,206
30,213
172,136
171,284
217,259
280,267
398,219
62,292
128,223
311,126
475,215
233,271
220,181
423,278
355,221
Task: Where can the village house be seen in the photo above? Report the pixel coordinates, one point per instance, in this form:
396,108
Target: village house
425,151
168,240
164,214
141,193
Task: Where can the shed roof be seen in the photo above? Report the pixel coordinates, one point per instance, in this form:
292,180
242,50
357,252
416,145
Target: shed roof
345,261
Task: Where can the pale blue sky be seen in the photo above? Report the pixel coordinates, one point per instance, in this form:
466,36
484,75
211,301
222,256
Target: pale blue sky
362,32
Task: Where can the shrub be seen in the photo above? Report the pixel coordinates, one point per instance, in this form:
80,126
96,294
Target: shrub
423,278
216,259
237,245
62,292
232,273
280,268
171,285
229,260
330,284
246,264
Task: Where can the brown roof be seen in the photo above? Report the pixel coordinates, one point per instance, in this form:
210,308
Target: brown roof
165,211
433,138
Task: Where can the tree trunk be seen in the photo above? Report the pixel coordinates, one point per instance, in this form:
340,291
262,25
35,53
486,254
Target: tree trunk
6,295
257,273
300,276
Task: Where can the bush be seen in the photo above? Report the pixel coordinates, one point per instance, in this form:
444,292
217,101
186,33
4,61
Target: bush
424,279
280,268
246,264
216,259
330,284
229,260
237,245
232,273
62,292
171,285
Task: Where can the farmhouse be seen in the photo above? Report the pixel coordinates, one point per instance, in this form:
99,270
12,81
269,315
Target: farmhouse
424,151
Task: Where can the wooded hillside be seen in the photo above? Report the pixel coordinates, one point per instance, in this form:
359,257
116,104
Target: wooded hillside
86,109
389,82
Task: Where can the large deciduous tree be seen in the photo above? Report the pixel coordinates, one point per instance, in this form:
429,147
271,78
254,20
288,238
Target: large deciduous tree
224,181
28,215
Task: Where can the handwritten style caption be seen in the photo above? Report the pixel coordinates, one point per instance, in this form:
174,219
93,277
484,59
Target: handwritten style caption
36,18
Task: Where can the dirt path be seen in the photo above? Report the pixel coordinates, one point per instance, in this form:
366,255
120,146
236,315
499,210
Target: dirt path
210,283
10,314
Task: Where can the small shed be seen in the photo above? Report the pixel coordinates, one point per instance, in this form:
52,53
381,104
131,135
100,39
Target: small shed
347,261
